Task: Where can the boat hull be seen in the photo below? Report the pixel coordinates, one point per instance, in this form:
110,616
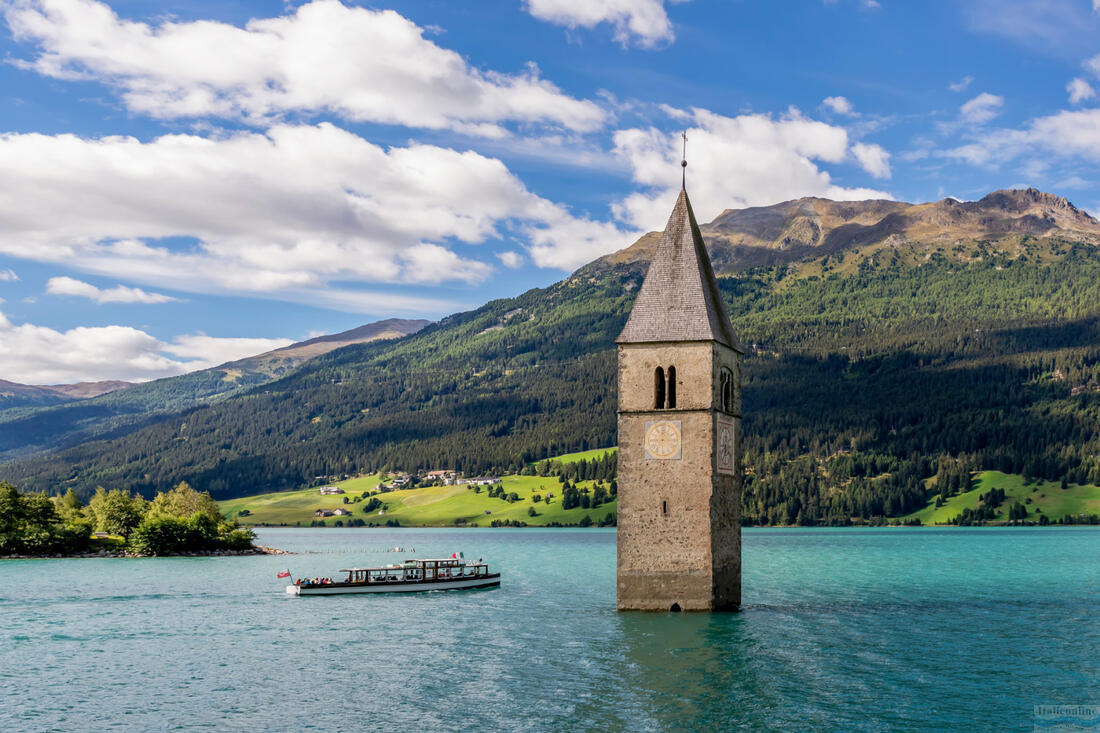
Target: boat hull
339,589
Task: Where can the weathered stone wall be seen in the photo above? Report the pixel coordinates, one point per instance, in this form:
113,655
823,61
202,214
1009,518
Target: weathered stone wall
679,520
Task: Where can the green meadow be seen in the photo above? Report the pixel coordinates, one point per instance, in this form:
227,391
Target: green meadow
430,506
585,455
1038,497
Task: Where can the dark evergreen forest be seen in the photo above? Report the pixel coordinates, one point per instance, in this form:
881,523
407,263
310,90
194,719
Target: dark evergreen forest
857,389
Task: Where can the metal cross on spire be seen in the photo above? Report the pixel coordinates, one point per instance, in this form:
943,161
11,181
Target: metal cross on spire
683,161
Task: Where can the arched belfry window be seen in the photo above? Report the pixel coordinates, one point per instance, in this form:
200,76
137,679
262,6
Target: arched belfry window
671,387
726,382
659,389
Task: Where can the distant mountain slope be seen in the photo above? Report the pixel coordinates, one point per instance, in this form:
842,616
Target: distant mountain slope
283,360
13,394
867,373
51,417
810,228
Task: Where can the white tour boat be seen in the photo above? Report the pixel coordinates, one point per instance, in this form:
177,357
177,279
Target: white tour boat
410,576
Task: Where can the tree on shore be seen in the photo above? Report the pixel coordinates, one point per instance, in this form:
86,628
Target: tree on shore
30,525
179,520
116,512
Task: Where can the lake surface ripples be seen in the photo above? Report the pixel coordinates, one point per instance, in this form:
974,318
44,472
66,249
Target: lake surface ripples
847,630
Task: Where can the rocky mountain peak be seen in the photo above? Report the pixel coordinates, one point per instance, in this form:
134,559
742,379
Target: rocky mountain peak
810,228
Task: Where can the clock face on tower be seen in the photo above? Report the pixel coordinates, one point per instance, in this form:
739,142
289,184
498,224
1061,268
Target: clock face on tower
663,440
726,434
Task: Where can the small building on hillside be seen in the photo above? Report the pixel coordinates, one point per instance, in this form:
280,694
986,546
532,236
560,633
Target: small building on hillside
447,477
330,490
483,481
323,513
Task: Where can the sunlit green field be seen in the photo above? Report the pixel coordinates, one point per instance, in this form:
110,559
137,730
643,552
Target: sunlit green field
288,507
586,455
1047,497
432,506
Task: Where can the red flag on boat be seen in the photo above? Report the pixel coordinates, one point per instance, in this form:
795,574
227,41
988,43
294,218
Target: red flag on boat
283,574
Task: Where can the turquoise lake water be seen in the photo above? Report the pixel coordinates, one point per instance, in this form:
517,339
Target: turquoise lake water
843,630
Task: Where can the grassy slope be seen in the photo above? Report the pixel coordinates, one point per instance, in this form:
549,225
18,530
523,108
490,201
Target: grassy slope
433,506
584,455
1046,495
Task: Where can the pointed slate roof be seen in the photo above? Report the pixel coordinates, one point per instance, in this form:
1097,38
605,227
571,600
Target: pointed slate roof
679,300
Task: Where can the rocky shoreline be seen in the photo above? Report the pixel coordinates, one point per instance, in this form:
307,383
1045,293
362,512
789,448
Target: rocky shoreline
254,550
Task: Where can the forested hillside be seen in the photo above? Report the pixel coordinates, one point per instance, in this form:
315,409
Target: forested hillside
33,426
868,372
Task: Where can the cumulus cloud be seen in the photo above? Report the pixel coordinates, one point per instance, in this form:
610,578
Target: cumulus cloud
119,294
839,106
324,57
643,22
1067,134
961,85
1079,90
749,160
40,355
201,351
1093,65
981,109
510,259
281,213
872,158
566,242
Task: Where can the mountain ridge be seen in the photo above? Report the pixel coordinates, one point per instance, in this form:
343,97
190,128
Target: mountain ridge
811,227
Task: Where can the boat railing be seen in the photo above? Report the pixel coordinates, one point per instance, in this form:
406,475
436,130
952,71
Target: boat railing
415,570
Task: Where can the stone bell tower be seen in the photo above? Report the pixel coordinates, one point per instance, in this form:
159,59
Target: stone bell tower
679,536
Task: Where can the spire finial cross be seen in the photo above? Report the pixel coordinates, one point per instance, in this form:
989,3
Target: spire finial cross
683,161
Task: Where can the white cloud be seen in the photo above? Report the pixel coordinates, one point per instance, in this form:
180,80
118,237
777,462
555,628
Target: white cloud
981,109
872,158
39,355
119,294
1068,134
324,57
279,213
675,112
8,275
510,259
430,263
1093,65
961,85
1080,90
566,243
201,351
750,160
643,22
839,105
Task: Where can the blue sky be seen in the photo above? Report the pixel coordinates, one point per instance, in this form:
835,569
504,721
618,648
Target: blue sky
186,182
